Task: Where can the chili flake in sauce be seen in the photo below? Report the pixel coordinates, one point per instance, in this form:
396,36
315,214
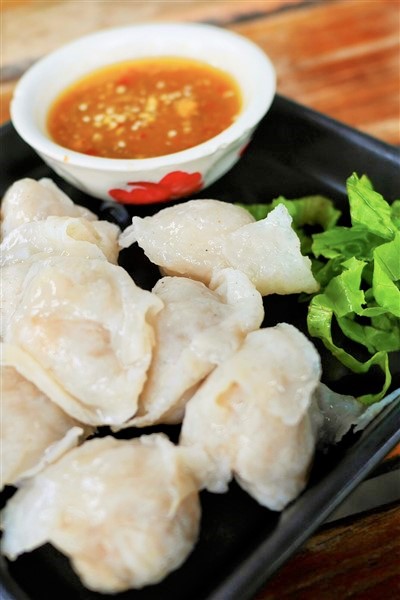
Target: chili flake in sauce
144,108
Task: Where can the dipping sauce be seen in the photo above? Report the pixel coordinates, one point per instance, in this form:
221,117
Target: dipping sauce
144,108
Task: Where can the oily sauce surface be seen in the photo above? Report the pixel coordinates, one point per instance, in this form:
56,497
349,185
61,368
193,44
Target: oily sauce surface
144,108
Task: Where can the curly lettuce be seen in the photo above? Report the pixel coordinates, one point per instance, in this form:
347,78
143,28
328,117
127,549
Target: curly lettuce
358,269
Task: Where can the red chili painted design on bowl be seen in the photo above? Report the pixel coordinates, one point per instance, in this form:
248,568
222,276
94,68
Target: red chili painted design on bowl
172,186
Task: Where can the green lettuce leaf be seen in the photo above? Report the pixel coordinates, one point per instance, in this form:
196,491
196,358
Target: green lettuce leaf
360,282
386,275
320,317
395,213
358,269
345,242
343,291
368,208
309,210
374,337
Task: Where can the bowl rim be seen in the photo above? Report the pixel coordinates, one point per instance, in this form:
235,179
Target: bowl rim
248,118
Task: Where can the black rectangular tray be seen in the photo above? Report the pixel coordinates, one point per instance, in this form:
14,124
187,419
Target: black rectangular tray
295,151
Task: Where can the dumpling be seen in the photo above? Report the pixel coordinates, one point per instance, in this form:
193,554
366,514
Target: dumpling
38,240
34,431
200,237
197,329
30,200
12,278
268,251
251,416
66,236
90,329
186,239
125,512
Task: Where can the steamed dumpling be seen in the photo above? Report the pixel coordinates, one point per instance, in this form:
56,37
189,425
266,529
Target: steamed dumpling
251,416
62,236
268,251
197,329
200,237
34,430
30,200
186,239
125,512
90,329
38,240
12,279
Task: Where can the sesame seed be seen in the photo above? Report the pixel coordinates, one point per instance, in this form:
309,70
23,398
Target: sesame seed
83,106
172,133
121,144
120,89
167,98
86,119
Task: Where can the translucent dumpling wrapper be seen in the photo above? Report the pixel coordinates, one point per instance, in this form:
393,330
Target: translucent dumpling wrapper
30,200
268,251
336,414
37,240
197,329
87,328
34,430
60,236
251,416
200,237
126,513
31,370
186,239
12,280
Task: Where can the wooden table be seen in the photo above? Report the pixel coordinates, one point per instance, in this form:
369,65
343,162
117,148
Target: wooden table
340,57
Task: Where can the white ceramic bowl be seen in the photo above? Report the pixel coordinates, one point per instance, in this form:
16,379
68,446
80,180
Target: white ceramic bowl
170,176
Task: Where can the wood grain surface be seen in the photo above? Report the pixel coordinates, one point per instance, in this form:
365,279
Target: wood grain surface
358,558
341,58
